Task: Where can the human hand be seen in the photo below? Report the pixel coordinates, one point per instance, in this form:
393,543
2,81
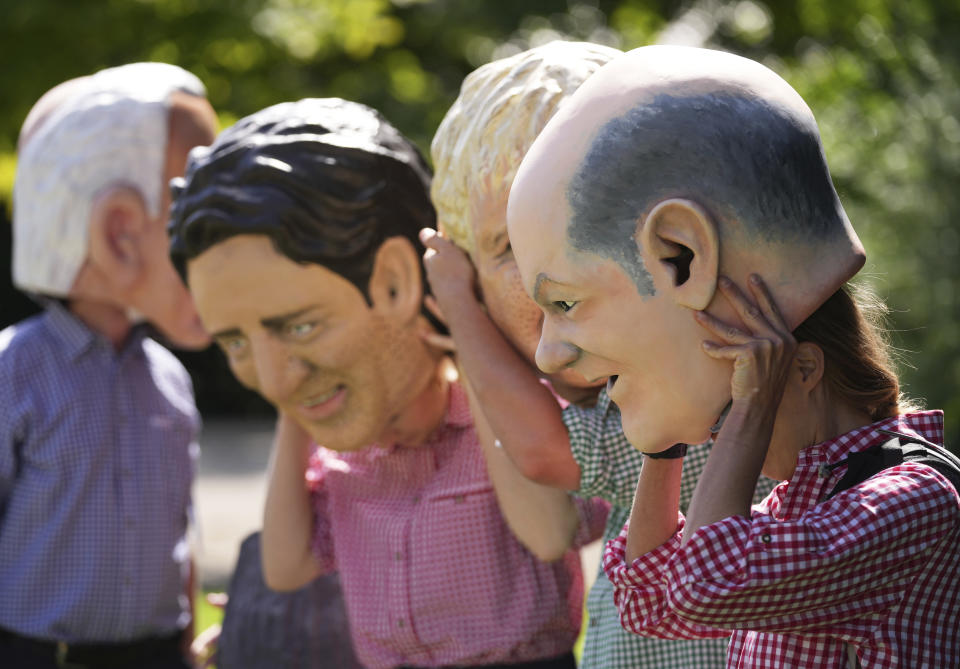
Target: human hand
442,342
203,649
453,279
762,356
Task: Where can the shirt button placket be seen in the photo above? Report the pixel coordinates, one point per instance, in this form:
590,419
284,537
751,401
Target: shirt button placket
126,456
399,600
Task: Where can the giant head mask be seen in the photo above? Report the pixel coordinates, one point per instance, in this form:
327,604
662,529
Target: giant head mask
670,167
501,109
297,231
91,194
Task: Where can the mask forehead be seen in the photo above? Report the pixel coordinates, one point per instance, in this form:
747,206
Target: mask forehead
538,213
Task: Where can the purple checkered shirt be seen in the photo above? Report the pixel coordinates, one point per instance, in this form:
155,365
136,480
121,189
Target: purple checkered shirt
97,452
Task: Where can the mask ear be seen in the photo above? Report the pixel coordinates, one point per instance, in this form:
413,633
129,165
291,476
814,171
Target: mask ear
118,225
681,251
395,286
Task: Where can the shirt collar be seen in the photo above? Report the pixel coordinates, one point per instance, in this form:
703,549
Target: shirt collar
926,424
73,333
77,338
603,401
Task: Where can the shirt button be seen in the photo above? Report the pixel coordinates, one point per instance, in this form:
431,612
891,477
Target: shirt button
766,538
398,556
401,622
416,499
458,499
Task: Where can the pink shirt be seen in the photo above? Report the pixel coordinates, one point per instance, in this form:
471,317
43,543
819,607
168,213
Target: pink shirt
431,573
876,566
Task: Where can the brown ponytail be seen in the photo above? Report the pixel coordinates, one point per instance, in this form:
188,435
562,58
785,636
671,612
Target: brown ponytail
858,365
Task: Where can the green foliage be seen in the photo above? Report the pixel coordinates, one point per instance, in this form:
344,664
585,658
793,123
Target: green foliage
882,78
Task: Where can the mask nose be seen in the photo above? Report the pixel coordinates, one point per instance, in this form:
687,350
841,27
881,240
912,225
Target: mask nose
553,354
279,373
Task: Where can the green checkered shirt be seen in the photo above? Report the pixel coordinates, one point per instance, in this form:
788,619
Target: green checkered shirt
609,468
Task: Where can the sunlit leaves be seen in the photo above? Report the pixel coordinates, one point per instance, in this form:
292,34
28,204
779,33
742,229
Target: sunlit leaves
312,28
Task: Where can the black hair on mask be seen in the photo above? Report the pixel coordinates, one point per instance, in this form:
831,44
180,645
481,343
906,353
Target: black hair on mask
327,180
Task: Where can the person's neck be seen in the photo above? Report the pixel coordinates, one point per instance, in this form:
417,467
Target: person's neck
109,320
839,420
829,420
421,418
828,417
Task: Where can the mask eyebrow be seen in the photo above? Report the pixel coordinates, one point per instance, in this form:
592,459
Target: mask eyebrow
493,242
227,334
538,287
277,322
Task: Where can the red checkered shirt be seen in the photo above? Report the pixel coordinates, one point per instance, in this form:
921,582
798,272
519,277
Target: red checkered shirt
431,573
877,566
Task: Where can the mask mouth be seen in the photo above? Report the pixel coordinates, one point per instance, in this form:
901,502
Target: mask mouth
611,381
312,399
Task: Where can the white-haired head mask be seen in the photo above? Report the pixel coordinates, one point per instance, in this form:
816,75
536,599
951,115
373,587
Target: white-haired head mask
111,129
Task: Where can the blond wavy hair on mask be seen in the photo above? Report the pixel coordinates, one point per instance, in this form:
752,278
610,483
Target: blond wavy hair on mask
501,109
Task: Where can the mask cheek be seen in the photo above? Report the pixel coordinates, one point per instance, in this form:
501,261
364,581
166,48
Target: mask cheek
244,372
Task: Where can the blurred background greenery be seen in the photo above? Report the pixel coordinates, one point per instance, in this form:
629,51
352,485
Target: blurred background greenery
881,76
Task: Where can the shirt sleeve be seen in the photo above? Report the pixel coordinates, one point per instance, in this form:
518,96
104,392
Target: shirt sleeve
13,420
193,448
642,591
7,445
321,543
609,465
847,560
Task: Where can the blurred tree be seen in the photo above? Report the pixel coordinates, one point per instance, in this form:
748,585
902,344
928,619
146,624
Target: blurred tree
881,77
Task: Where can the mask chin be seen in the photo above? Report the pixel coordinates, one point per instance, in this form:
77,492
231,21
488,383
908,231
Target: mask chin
715,428
135,316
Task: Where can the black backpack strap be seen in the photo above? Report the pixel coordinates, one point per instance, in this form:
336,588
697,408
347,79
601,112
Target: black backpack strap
900,448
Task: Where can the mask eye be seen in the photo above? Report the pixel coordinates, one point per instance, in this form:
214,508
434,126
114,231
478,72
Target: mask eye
300,330
234,347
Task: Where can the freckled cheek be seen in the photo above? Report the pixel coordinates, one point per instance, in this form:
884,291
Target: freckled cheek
526,315
386,356
516,315
393,346
345,354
